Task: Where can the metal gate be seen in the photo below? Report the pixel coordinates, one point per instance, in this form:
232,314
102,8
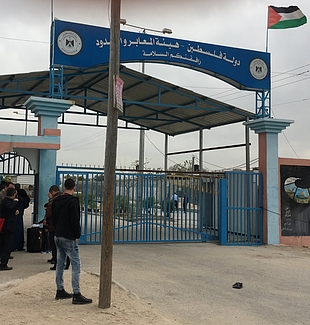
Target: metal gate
241,216
168,207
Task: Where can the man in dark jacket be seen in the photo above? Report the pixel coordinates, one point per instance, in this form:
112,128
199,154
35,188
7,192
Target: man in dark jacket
23,203
66,220
9,212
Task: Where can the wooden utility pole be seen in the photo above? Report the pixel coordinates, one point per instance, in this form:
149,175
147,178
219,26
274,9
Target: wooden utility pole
110,163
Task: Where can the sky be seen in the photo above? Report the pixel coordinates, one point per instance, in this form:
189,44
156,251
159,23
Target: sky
24,47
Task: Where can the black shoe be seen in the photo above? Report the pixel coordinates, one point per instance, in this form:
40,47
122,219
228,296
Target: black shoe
51,261
63,294
53,268
78,299
5,268
11,257
238,285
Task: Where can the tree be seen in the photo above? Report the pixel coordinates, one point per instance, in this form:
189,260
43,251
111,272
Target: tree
185,166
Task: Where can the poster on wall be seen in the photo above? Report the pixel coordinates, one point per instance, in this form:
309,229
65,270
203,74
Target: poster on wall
295,200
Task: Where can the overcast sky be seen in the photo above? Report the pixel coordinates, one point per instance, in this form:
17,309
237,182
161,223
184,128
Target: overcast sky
24,47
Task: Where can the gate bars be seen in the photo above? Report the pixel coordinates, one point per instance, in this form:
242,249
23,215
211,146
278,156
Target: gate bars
241,216
171,207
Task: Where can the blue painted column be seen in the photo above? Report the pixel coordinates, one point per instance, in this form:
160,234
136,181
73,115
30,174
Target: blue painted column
268,130
47,110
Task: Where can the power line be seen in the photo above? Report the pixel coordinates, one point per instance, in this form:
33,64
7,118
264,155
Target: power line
292,102
23,40
173,161
274,81
78,143
283,132
290,83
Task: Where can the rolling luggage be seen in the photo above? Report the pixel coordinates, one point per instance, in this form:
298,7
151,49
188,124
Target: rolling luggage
34,239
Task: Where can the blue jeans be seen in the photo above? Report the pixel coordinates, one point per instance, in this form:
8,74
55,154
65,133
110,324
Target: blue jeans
67,247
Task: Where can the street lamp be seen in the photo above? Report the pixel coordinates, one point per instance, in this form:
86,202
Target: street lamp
142,131
163,31
26,119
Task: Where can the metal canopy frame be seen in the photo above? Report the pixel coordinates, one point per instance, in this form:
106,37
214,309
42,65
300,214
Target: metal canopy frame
148,102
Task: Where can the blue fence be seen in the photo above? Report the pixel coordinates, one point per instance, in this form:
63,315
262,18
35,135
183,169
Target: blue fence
170,207
241,209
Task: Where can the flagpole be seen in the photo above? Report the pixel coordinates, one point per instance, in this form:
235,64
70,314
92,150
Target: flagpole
267,37
52,10
52,40
52,45
267,33
266,94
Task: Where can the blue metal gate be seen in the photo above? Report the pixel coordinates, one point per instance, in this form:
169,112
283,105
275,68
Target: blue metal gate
170,207
241,217
165,207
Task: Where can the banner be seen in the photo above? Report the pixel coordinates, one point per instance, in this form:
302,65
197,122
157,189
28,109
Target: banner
83,46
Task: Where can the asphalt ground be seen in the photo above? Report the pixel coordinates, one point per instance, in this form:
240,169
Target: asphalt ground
193,281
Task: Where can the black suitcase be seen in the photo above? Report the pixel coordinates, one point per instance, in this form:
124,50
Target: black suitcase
34,239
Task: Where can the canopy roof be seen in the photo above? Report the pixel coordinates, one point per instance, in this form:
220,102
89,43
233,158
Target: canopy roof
148,102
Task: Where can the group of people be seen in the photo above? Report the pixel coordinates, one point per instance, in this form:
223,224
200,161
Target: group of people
13,201
62,218
175,200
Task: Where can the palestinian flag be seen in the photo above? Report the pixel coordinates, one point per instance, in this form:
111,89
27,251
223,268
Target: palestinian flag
285,17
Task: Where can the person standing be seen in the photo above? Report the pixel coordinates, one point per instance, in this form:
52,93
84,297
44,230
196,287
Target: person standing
66,220
9,212
174,198
21,193
3,189
185,202
53,192
23,203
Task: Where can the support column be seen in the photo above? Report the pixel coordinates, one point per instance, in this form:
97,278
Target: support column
247,147
200,149
268,129
166,152
47,110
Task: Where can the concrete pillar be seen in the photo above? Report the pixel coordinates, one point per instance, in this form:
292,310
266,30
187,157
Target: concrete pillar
47,110
268,130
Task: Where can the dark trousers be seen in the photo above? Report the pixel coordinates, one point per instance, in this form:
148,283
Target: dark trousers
51,236
18,242
45,240
8,238
1,243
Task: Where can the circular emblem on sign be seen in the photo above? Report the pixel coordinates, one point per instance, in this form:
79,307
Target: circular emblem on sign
258,69
69,42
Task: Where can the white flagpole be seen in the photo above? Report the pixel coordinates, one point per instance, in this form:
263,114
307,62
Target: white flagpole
267,33
52,11
52,35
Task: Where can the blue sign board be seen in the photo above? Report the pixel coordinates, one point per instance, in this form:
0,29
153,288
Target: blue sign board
79,45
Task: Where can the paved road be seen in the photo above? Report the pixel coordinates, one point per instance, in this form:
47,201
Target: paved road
193,282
